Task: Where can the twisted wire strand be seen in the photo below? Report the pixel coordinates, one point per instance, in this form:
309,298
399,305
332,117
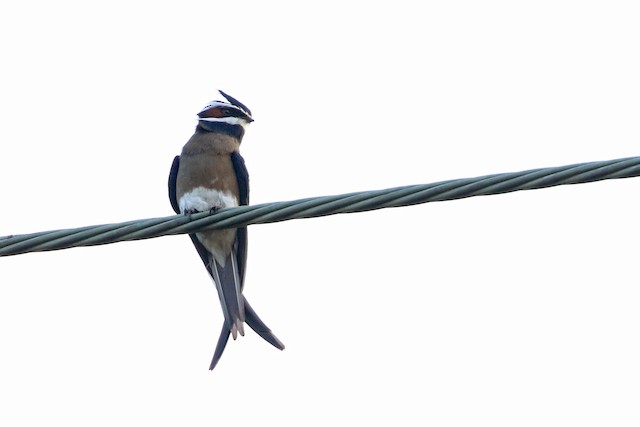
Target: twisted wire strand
320,206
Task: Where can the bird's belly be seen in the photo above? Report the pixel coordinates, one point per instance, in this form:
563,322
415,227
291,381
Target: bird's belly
201,199
218,242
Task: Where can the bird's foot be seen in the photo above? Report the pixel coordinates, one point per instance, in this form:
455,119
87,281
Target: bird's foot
189,212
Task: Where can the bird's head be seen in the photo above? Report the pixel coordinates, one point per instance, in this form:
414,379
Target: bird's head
228,115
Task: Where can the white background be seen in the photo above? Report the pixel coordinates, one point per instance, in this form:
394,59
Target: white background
517,309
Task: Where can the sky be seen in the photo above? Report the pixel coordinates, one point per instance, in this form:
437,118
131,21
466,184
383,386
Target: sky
515,309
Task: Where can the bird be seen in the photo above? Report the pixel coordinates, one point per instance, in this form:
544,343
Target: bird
210,174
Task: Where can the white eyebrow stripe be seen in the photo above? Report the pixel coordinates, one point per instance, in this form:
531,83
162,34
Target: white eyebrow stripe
215,104
230,120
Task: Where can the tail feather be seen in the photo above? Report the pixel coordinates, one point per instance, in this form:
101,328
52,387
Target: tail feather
229,291
222,342
255,323
259,326
235,307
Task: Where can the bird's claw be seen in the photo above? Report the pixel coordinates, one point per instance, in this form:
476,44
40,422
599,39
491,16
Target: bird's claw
189,212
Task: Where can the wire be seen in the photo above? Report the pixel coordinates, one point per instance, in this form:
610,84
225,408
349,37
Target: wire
320,206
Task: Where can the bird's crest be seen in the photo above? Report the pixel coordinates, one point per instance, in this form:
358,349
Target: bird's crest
226,107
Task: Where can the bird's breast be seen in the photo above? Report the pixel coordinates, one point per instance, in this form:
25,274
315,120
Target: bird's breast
206,181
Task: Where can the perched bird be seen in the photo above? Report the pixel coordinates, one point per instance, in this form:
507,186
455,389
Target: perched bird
208,175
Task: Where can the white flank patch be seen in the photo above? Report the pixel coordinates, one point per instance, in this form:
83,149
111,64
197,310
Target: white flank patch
204,199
